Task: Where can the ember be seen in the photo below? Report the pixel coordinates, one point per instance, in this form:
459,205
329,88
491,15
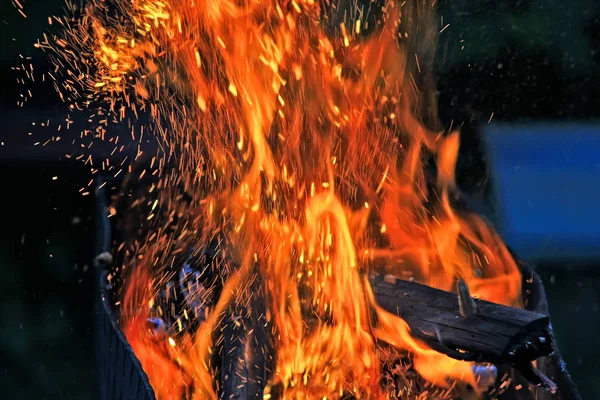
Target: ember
294,165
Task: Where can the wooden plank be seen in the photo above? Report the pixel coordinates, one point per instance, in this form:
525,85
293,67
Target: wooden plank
494,334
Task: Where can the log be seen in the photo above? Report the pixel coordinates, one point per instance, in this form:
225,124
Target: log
481,332
492,333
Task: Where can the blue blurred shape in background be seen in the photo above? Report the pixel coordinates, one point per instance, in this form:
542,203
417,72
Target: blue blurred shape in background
546,189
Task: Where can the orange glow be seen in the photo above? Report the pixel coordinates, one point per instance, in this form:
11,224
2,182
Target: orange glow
306,150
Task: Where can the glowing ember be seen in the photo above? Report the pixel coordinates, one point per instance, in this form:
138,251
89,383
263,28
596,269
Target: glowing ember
302,147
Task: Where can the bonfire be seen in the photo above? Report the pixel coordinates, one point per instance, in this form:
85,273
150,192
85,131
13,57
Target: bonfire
300,158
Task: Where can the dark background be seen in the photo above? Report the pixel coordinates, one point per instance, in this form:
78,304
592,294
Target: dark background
508,60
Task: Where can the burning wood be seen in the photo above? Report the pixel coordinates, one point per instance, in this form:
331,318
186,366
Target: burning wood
304,149
495,334
486,334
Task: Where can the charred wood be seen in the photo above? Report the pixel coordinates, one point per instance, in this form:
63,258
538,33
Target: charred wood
494,333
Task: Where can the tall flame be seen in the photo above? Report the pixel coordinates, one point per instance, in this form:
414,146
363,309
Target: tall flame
303,146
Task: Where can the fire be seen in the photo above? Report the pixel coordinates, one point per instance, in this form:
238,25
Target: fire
304,147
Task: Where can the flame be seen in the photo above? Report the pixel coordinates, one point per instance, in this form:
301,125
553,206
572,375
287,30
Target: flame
305,147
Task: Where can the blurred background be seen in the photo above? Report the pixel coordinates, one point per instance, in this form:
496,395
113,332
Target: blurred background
520,77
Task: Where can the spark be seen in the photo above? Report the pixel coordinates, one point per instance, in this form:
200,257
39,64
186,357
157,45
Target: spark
302,148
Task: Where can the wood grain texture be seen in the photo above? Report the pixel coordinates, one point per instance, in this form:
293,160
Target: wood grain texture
495,334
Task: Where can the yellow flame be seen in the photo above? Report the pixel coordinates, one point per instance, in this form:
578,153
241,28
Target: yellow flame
305,150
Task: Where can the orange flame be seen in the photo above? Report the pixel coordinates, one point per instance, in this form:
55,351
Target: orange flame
305,149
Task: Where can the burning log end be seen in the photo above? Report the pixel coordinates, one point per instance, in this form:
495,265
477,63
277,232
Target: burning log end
535,376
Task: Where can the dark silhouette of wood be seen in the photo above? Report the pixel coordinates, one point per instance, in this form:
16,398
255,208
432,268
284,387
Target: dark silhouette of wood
494,333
